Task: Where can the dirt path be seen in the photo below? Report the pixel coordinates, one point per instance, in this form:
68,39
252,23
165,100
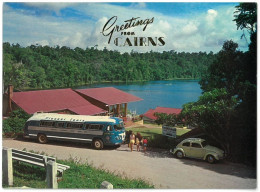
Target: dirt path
156,167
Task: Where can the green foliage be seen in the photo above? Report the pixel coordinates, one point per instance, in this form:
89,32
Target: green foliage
162,142
28,175
171,119
213,112
15,123
85,176
49,67
246,16
79,176
227,109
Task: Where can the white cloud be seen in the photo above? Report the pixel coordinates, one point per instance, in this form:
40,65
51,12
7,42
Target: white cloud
201,32
212,14
138,5
189,29
56,7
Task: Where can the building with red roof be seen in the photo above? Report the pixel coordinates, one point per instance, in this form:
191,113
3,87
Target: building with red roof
95,101
149,115
56,100
109,98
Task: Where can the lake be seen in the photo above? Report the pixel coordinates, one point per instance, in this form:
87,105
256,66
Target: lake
173,93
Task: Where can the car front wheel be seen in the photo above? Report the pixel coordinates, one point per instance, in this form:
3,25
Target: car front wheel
211,159
179,154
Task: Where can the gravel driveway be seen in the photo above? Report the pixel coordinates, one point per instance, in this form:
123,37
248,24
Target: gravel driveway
156,167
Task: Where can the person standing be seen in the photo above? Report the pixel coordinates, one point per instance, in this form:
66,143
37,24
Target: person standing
137,144
145,141
132,140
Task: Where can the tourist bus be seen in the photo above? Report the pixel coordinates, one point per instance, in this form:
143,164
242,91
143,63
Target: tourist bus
97,130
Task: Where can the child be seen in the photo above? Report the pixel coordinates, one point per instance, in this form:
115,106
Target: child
145,144
132,140
137,144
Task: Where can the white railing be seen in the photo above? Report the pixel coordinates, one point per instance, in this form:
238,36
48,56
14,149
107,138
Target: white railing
52,168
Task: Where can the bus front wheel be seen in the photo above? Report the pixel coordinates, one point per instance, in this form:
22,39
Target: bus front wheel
42,138
98,144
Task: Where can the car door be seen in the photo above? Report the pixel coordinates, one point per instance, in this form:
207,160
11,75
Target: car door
186,148
196,151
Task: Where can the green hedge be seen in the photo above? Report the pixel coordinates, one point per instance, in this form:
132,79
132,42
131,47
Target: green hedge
160,141
16,121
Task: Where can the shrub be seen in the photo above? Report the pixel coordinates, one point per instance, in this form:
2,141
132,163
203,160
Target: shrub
16,122
160,141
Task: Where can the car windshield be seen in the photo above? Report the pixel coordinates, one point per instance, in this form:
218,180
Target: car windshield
119,126
204,143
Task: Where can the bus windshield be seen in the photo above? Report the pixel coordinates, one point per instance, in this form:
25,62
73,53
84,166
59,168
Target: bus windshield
119,126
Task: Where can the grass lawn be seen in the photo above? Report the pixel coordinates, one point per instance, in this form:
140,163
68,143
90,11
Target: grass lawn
155,131
79,176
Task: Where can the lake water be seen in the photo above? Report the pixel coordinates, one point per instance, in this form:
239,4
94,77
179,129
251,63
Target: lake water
172,93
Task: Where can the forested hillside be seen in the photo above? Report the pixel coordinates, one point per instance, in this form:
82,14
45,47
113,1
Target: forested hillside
53,67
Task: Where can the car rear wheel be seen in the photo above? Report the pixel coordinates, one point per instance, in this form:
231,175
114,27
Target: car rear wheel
98,144
179,154
42,138
211,159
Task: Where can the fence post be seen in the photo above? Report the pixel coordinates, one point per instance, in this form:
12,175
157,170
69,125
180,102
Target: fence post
52,175
7,167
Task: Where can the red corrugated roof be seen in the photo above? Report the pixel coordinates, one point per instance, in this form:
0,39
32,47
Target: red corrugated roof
54,100
167,110
109,95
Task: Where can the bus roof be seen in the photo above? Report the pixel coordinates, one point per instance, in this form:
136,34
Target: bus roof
73,118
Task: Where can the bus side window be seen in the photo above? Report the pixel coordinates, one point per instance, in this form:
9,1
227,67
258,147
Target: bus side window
95,127
68,125
86,126
75,125
33,123
60,124
101,127
80,125
47,124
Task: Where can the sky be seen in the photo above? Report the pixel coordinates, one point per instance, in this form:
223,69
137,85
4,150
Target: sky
188,27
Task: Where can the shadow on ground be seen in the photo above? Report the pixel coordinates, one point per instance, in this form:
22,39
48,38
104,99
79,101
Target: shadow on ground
222,167
67,144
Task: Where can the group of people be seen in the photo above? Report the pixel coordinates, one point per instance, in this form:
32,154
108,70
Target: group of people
138,140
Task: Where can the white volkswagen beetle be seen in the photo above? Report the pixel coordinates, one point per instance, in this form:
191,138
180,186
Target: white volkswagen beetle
199,149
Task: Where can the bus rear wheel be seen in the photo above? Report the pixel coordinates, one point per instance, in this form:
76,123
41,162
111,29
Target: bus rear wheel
42,138
98,144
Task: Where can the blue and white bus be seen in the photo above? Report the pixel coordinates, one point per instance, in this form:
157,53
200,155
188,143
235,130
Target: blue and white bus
97,130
